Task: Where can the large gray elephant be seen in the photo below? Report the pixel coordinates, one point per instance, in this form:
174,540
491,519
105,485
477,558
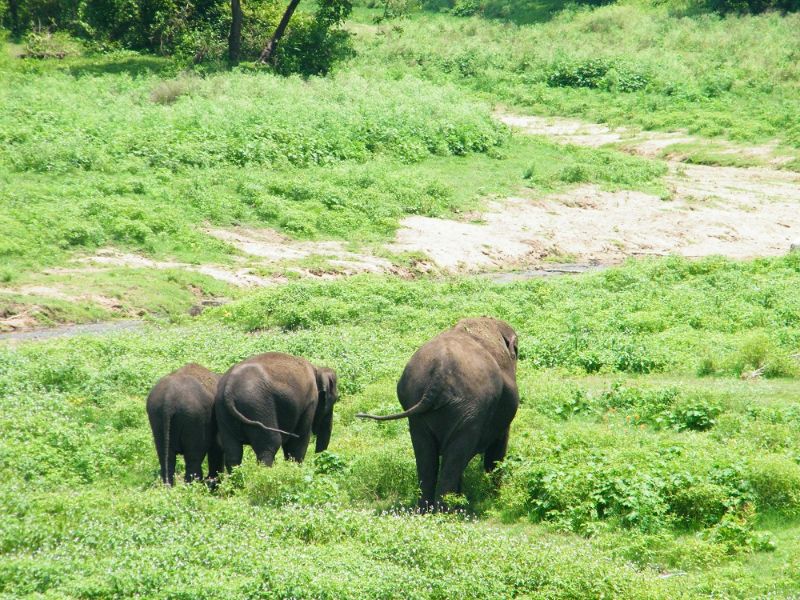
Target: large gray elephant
271,391
459,392
181,412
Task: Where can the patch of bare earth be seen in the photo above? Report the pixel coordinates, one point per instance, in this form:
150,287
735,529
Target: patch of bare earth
272,247
595,226
264,248
735,212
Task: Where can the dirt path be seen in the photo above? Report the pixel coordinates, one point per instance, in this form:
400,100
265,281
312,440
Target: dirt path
651,144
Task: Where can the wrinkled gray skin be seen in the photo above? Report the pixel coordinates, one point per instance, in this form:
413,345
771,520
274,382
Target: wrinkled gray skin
181,412
459,392
279,391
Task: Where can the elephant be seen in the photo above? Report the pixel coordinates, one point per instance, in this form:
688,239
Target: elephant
180,408
459,392
270,391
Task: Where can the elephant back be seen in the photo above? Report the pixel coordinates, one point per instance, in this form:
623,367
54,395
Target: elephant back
208,379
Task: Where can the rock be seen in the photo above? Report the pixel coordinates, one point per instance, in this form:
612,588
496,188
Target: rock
795,247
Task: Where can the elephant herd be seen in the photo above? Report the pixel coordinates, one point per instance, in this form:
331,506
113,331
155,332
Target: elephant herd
458,392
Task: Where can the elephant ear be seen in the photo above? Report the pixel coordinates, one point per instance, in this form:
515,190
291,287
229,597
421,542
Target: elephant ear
323,417
510,338
328,394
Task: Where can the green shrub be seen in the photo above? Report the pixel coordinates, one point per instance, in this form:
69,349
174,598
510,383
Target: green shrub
466,8
45,44
597,73
695,413
759,353
698,504
752,6
776,484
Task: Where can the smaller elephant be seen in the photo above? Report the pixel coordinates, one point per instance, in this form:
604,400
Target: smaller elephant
180,408
271,391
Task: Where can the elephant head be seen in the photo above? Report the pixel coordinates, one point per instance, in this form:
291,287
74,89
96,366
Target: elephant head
496,336
323,417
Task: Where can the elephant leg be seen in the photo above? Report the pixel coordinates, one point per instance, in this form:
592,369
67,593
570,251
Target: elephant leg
194,467
215,460
495,452
265,445
233,450
296,448
426,454
455,459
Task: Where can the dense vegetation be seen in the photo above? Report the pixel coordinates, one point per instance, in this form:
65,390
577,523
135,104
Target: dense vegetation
195,32
640,474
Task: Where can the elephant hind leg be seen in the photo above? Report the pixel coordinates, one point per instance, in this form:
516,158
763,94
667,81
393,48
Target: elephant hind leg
194,467
233,451
455,458
265,445
426,454
296,448
215,460
495,452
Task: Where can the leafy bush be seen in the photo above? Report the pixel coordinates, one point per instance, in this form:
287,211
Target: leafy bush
44,44
597,73
466,8
695,413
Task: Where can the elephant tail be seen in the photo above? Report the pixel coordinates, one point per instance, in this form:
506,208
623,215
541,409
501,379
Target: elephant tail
166,417
231,406
426,404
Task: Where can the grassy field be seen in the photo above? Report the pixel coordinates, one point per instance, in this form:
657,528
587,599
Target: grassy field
656,453
640,464
100,152
733,77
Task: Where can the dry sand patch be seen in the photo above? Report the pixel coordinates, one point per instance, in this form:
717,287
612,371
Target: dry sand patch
589,224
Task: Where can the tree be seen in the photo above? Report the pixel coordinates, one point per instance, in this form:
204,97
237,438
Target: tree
235,37
329,14
269,51
13,11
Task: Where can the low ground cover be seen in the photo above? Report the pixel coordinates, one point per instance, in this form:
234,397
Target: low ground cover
638,450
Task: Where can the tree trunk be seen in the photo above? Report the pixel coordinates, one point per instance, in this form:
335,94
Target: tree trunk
235,38
269,51
13,10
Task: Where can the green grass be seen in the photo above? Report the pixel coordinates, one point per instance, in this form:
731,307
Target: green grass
733,77
622,461
90,160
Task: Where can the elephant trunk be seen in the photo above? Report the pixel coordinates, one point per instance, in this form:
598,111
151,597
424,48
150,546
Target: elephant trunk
323,432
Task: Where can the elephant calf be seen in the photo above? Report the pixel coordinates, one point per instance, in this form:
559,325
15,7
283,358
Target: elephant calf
181,412
459,392
270,391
